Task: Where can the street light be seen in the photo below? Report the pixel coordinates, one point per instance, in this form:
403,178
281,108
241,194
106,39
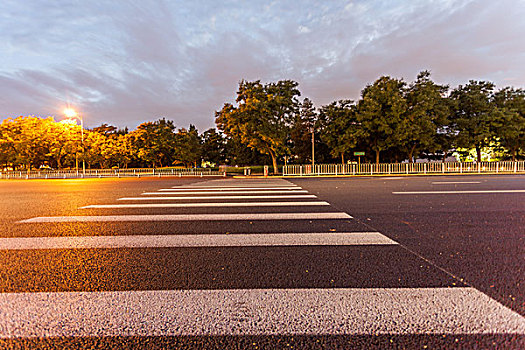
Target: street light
313,148
71,113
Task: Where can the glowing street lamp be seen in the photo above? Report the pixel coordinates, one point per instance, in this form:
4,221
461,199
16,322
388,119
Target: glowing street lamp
71,113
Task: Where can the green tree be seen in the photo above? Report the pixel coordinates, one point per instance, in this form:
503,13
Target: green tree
188,147
238,153
474,115
304,130
427,113
509,123
340,128
263,116
154,142
213,147
380,113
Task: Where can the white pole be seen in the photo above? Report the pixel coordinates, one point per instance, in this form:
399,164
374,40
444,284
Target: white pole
313,149
83,150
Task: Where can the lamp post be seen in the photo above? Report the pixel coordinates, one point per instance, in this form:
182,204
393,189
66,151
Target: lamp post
313,149
71,113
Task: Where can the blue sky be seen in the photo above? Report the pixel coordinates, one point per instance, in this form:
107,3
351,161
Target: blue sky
126,62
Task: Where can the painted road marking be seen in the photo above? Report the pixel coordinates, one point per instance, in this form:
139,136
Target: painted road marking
191,217
205,205
454,182
229,189
341,311
197,240
225,192
297,196
226,188
460,192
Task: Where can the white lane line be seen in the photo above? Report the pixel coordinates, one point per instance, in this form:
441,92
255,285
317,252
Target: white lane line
191,217
454,182
199,240
225,192
297,196
341,311
206,205
227,188
460,192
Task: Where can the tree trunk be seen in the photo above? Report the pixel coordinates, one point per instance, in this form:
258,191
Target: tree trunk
274,163
342,158
478,152
411,154
377,156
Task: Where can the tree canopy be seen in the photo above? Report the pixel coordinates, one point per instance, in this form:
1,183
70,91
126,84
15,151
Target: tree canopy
263,116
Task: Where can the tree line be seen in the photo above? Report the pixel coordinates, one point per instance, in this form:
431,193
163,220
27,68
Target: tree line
392,121
32,143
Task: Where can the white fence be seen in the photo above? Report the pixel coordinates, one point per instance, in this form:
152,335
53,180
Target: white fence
99,173
404,168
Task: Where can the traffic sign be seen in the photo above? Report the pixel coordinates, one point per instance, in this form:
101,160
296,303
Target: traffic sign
359,153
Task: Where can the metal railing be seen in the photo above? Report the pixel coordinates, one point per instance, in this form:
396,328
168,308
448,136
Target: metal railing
404,168
100,173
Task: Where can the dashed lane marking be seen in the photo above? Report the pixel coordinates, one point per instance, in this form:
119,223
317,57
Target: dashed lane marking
461,192
454,182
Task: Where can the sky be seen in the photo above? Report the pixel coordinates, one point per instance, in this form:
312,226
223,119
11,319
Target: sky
127,62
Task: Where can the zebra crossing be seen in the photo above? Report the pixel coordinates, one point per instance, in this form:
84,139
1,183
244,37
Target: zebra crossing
232,257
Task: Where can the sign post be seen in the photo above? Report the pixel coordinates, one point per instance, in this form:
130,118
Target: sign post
358,155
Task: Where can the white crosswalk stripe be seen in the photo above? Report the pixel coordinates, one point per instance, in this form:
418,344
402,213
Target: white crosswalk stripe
291,311
175,189
191,217
197,240
297,196
228,192
206,205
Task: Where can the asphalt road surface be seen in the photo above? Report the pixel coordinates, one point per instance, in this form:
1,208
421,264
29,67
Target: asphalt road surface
263,263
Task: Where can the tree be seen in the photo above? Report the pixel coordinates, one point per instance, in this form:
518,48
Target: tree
213,147
340,129
238,153
263,116
380,113
27,141
105,129
509,123
474,115
188,146
154,142
7,144
427,112
64,141
304,130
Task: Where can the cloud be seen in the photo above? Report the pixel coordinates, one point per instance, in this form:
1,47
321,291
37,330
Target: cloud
128,62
